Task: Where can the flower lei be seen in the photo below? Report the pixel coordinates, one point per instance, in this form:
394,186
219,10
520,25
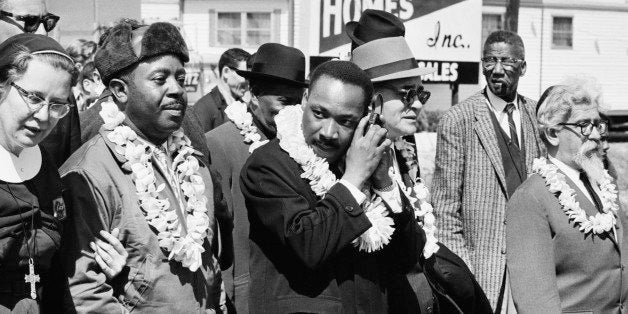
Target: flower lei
316,171
185,248
418,196
243,120
598,224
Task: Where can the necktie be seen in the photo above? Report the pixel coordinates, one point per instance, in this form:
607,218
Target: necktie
587,184
511,124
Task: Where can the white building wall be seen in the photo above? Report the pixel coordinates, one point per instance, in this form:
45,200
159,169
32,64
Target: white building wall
530,32
600,49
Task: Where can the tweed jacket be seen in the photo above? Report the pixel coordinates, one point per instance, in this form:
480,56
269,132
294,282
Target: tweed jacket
469,186
302,259
553,266
228,153
103,197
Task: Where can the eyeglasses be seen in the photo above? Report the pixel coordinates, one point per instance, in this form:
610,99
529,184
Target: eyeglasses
31,22
490,62
586,127
35,103
409,94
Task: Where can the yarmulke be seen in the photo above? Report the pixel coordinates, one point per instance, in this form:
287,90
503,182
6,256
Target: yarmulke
126,46
35,43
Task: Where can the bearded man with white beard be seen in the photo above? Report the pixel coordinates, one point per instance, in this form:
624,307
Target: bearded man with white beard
566,234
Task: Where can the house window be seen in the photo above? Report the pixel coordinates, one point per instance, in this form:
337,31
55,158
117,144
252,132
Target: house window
490,23
245,29
562,32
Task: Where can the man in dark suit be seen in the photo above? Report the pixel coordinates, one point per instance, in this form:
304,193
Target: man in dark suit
485,147
567,233
302,257
210,109
272,89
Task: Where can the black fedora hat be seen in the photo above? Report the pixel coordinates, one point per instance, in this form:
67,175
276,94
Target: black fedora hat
374,24
277,62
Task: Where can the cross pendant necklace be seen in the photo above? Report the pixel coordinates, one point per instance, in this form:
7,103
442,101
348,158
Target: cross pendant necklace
32,278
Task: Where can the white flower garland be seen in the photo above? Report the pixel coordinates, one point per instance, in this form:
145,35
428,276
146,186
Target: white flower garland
418,196
187,248
598,224
316,171
243,120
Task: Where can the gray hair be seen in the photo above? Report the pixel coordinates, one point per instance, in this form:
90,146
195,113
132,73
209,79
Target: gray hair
557,102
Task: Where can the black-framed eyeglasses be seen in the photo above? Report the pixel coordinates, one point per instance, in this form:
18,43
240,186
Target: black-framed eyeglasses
31,22
490,62
35,103
586,127
409,94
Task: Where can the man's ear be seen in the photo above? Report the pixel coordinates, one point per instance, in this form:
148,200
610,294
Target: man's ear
225,70
254,103
524,67
86,85
120,90
304,98
551,135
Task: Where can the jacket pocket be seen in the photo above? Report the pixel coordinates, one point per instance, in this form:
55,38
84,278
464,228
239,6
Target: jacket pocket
140,284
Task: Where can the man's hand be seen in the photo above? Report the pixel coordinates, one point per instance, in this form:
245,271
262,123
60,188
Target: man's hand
111,255
381,178
365,153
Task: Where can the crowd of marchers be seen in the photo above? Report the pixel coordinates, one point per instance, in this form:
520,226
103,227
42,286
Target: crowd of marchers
279,192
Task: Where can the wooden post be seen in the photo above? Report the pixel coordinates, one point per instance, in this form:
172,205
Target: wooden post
512,15
454,92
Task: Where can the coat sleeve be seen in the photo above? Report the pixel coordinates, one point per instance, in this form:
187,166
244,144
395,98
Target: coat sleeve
530,255
448,184
314,232
89,213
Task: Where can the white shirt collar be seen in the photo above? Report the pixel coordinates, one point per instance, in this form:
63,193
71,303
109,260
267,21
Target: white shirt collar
498,104
16,169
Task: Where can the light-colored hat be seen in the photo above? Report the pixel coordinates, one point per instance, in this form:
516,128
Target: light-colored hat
387,59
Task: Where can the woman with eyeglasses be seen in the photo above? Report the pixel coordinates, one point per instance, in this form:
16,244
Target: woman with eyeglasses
35,80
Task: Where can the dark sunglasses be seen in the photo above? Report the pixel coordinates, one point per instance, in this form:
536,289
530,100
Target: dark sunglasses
31,22
409,94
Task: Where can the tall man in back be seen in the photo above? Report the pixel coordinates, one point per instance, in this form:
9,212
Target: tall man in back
485,148
210,109
277,80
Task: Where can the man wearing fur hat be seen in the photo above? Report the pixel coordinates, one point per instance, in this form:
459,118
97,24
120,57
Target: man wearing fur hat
277,80
141,175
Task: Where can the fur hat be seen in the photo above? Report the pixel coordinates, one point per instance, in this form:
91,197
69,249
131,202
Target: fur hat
127,45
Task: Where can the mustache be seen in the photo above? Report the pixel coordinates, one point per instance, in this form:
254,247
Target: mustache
174,105
328,142
589,147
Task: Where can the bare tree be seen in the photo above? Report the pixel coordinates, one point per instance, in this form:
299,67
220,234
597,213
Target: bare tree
512,15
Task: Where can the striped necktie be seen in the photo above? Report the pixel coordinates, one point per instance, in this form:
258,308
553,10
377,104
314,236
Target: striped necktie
511,124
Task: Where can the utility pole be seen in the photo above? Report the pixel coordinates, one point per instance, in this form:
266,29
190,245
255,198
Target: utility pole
512,15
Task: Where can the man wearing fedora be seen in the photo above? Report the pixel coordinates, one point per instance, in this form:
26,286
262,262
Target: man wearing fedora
485,148
277,79
374,24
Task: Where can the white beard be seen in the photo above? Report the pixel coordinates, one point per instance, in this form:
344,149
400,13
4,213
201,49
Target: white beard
589,158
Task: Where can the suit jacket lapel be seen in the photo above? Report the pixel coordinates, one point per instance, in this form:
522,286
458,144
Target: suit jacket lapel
530,134
486,132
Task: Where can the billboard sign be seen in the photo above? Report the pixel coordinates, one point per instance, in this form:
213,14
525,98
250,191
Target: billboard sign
444,34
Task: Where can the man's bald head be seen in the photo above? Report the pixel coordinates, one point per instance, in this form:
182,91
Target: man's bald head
10,26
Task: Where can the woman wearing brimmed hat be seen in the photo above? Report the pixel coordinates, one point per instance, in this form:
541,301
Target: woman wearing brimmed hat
35,80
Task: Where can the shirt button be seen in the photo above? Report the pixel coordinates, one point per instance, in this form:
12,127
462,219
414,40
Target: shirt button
622,267
349,208
503,250
504,221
